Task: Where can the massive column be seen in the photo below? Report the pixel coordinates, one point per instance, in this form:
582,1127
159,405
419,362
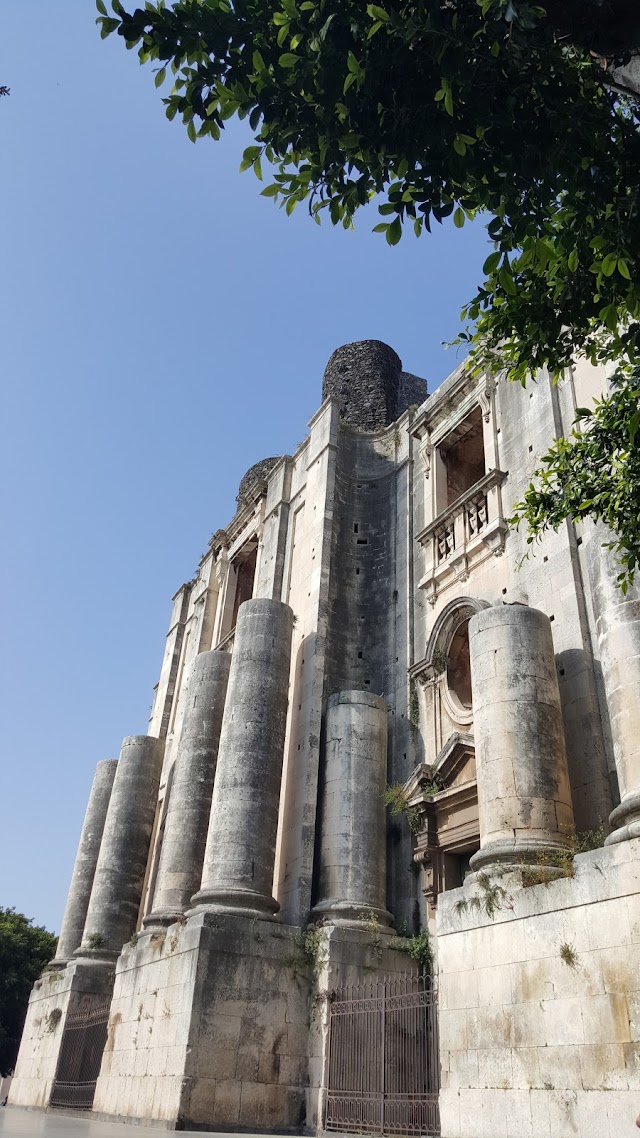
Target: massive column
524,797
617,619
239,858
122,861
352,877
84,867
185,829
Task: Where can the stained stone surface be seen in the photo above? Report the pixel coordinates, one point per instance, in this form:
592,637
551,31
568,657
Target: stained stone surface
86,860
524,797
240,851
187,821
119,877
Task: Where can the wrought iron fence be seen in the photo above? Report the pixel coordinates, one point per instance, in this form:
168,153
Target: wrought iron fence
85,1035
384,1069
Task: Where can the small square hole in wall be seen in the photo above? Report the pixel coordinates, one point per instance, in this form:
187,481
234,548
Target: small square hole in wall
545,558
579,541
561,671
497,430
357,572
362,541
552,617
504,592
531,395
530,449
359,655
367,681
355,527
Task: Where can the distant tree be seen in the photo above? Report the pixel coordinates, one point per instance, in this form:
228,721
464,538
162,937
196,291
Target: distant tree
440,108
25,948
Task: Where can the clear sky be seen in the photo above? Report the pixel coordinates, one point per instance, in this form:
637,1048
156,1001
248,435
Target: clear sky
162,327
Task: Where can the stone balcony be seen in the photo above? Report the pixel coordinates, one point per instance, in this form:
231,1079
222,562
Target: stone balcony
464,535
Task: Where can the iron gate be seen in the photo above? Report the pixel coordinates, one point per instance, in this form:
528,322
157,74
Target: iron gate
383,1058
85,1035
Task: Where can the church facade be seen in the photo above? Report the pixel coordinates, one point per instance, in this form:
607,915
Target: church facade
379,724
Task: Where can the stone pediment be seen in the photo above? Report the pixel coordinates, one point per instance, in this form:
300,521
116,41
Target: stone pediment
455,766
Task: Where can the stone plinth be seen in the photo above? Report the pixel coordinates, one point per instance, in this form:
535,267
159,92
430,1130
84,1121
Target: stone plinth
240,851
524,797
186,824
210,1023
352,846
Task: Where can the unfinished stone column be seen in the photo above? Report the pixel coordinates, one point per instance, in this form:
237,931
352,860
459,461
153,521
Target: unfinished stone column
84,867
122,861
239,859
185,829
352,878
524,797
618,630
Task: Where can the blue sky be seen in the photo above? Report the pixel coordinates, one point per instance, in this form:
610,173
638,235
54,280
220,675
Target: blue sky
162,327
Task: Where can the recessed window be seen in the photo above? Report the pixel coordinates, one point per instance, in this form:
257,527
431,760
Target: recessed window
459,666
462,452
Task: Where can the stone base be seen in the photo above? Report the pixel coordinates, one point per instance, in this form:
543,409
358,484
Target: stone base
347,954
55,995
209,1028
540,1004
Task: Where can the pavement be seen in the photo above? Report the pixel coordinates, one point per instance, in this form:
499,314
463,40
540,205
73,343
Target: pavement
17,1123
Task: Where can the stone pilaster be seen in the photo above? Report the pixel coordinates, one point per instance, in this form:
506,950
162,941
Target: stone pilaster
352,846
239,858
524,797
84,868
119,876
185,830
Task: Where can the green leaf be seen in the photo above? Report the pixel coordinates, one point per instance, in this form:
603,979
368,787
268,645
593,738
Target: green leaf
288,59
191,131
572,260
160,76
623,269
249,157
394,232
459,146
609,264
257,169
634,423
458,218
271,191
258,62
101,7
353,65
491,263
349,81
377,13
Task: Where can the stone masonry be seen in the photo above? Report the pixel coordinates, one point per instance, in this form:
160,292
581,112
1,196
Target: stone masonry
365,628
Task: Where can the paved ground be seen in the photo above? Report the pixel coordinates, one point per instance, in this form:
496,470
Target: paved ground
16,1123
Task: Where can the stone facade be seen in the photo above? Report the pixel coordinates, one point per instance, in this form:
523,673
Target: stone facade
364,621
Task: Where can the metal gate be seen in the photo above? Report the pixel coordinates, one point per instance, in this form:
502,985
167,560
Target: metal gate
383,1058
85,1035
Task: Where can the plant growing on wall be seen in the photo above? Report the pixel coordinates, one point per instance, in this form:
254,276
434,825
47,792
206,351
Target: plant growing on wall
396,799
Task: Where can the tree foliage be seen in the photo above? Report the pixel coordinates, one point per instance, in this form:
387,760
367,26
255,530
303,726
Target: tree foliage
437,109
25,948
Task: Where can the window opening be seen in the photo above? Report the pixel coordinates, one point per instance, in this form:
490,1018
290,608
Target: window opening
459,666
462,452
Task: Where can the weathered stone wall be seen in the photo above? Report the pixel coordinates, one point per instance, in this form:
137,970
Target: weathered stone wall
367,382
540,1006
